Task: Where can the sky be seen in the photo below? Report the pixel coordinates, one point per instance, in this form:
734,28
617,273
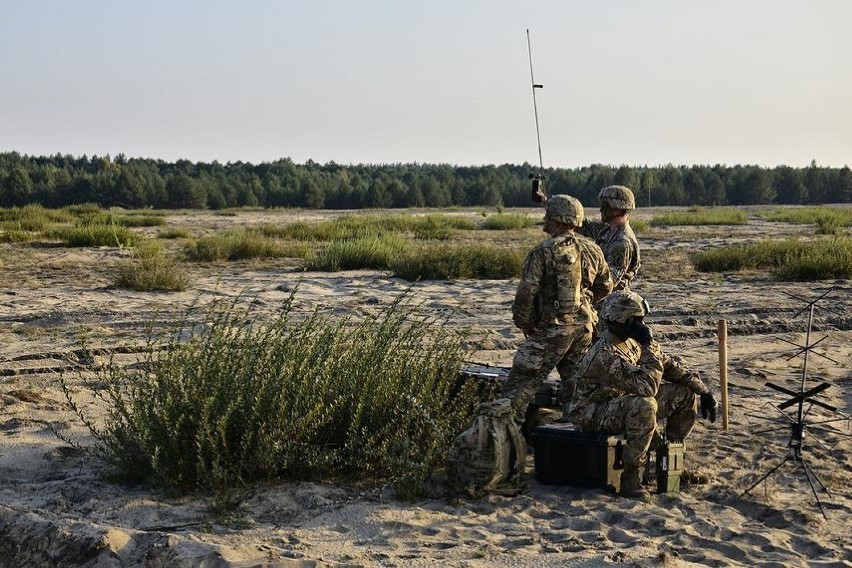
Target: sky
633,82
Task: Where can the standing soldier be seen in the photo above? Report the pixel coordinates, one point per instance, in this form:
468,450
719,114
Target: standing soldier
625,383
562,277
614,234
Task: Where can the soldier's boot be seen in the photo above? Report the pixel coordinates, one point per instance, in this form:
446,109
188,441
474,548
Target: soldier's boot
631,485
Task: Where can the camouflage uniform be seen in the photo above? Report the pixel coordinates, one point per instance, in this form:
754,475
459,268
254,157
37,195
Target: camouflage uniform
620,248
620,389
553,339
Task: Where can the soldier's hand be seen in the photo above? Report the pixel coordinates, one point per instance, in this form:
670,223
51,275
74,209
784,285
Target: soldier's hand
640,332
708,407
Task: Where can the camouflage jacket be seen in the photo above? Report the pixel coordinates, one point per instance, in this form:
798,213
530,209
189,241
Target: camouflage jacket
537,288
620,248
613,367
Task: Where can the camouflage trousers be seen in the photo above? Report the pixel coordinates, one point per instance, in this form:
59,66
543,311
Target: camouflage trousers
552,346
636,417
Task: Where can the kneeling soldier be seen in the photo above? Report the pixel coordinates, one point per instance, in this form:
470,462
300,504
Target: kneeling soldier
625,383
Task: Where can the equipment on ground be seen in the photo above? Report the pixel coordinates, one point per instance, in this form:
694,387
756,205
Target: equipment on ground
567,456
490,455
669,466
490,380
800,423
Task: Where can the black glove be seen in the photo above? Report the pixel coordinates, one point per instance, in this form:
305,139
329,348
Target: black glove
640,332
708,407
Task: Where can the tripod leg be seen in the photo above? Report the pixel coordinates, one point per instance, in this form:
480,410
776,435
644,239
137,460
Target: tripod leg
765,475
810,470
808,474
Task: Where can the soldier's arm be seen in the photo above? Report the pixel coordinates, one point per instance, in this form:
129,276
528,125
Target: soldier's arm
619,257
643,378
523,308
676,371
590,229
602,284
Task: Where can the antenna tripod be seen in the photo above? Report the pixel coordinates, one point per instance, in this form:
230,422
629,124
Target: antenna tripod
537,192
798,424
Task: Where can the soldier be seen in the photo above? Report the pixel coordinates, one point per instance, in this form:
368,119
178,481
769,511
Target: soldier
625,383
614,235
561,278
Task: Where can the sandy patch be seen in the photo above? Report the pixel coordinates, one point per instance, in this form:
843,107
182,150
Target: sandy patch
56,508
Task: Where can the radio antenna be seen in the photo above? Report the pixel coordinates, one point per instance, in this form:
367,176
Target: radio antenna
537,179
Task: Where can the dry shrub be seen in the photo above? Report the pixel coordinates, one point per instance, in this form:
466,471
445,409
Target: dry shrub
150,269
233,400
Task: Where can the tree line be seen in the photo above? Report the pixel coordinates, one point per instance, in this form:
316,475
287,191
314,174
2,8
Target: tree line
60,180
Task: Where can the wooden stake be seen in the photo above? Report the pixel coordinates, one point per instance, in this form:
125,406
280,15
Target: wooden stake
723,370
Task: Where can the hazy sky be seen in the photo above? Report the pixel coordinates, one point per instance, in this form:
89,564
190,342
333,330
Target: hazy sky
377,81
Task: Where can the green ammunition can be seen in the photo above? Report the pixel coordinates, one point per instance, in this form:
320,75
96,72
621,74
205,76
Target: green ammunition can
669,467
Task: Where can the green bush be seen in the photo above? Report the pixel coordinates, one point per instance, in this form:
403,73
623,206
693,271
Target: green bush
234,245
236,400
507,222
149,269
701,216
450,262
375,252
94,235
791,259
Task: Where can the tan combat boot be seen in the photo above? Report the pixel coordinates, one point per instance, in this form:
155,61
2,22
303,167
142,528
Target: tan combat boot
631,485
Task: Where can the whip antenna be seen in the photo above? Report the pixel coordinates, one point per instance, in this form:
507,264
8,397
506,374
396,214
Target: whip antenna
537,194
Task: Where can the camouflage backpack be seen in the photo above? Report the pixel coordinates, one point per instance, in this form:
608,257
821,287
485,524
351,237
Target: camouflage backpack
489,456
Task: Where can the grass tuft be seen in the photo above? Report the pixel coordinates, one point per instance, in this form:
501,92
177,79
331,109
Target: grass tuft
150,269
93,235
137,220
174,233
32,217
13,235
507,222
376,252
450,262
235,245
83,208
639,226
347,227
788,260
701,216
842,217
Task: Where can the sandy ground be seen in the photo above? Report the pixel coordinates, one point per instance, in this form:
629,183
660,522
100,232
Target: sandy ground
56,508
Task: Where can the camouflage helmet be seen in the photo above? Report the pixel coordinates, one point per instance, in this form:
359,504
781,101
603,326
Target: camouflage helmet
617,197
622,305
565,209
